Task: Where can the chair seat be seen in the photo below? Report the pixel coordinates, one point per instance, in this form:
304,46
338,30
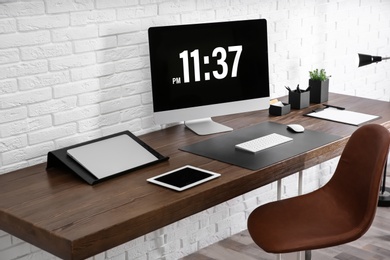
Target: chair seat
314,220
339,212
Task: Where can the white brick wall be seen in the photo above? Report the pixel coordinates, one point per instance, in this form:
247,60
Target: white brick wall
73,70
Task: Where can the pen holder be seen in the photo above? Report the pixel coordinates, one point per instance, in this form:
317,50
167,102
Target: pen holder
319,90
279,110
299,100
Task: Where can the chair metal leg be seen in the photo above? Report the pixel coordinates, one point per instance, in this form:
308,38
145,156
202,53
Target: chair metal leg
302,255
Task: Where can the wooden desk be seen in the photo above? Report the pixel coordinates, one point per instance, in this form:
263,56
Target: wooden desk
60,213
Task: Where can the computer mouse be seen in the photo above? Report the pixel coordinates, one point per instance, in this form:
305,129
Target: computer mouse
296,128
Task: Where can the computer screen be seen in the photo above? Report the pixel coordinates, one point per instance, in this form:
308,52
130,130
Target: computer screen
199,71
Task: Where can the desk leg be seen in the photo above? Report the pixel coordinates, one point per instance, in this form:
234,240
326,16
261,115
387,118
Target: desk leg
384,194
279,190
299,255
278,197
300,186
300,182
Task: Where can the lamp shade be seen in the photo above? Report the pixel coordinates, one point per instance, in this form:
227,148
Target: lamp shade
365,59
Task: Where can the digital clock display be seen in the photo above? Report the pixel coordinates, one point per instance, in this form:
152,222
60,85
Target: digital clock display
219,53
195,65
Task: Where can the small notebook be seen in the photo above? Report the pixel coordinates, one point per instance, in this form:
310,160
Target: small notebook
342,116
111,156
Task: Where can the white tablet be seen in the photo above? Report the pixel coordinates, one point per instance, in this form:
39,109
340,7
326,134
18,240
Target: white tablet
183,178
111,156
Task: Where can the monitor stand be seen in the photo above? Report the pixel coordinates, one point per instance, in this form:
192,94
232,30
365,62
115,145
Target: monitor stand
206,126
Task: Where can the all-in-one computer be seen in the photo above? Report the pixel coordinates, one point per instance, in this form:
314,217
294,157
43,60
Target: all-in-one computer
203,70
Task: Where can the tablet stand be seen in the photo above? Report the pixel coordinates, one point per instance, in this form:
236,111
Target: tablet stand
60,159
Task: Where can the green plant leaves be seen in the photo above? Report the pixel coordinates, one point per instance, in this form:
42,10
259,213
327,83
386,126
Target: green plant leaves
318,75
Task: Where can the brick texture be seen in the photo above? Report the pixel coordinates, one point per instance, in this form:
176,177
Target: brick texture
72,69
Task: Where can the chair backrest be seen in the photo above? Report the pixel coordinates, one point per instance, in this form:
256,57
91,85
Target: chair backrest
358,175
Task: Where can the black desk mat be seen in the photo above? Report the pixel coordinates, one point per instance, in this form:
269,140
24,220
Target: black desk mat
222,148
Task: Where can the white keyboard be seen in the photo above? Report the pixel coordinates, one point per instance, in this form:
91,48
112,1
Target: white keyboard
263,142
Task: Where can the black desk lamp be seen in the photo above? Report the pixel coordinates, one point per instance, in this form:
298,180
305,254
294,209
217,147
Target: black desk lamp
384,196
365,59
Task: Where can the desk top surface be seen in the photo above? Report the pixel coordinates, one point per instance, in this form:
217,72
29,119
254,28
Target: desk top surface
60,213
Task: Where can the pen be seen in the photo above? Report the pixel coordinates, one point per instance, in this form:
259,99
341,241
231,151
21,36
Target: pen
298,89
340,108
318,110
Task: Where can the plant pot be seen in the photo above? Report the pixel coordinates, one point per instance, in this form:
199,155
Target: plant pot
319,90
299,100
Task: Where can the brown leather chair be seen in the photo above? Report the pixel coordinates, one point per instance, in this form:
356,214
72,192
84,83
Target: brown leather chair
339,212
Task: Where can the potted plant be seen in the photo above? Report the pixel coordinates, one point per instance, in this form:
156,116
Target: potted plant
319,86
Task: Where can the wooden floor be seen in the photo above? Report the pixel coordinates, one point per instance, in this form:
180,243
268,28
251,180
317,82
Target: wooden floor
374,245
